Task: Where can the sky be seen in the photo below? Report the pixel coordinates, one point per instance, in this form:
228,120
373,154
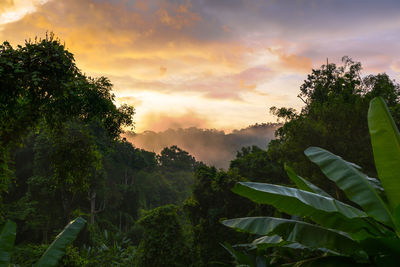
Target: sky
210,63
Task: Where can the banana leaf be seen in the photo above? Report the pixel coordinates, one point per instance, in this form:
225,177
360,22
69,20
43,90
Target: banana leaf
385,139
240,257
327,212
7,239
303,184
354,183
328,261
277,241
306,234
57,249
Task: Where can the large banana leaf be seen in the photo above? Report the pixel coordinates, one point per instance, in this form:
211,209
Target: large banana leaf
328,261
325,211
303,184
385,139
277,241
354,183
309,235
7,238
57,249
270,241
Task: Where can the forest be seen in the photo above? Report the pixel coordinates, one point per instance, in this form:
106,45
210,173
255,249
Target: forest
75,192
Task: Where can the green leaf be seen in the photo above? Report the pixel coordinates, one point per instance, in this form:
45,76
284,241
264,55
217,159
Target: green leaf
303,184
376,184
309,235
270,241
353,182
385,139
240,258
7,239
325,211
328,261
57,249
277,241
382,246
396,217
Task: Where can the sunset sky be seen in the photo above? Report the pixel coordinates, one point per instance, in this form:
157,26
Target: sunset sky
210,63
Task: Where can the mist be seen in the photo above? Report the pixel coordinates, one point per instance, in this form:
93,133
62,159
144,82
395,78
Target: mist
210,146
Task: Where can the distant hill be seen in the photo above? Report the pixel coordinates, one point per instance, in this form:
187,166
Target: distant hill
211,146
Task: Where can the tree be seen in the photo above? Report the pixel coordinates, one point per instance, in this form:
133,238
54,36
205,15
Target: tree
163,243
256,165
173,158
41,85
68,167
212,200
336,101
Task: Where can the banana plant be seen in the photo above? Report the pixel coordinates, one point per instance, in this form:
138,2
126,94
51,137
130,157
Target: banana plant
366,233
53,253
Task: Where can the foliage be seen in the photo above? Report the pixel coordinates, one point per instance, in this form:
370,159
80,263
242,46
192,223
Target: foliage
173,158
7,238
106,248
53,253
256,164
163,243
336,104
40,84
57,249
366,233
211,200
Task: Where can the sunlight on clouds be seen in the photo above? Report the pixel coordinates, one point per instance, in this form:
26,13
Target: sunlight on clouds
13,10
225,61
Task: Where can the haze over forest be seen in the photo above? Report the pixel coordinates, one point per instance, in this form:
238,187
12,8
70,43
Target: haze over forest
210,146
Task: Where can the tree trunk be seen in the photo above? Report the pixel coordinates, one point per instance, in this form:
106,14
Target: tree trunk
92,206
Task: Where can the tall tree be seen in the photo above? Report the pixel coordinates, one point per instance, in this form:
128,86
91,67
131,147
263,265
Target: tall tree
336,103
40,84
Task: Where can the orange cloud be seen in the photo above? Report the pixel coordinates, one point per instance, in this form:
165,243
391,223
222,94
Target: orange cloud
226,28
112,38
13,10
224,87
5,5
161,48
180,15
395,66
161,122
292,61
130,100
163,70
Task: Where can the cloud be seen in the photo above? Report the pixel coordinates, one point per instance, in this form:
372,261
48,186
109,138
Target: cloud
180,17
130,100
208,85
226,28
163,70
396,66
5,5
293,62
161,122
235,55
13,10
